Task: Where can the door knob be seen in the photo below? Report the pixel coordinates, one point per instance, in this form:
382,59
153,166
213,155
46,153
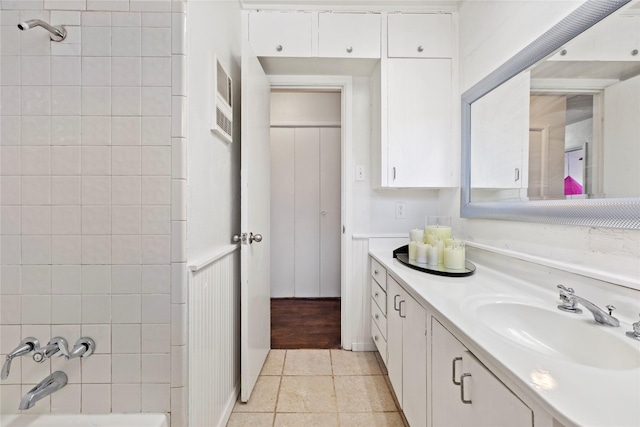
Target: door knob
323,213
255,238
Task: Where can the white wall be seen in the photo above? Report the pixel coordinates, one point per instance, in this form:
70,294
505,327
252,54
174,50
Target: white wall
213,165
86,201
492,32
213,216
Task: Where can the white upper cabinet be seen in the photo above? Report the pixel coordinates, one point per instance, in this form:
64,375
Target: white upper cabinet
419,123
419,35
281,33
616,38
349,35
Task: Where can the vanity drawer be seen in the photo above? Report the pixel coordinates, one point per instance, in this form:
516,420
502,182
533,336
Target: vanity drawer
379,318
379,296
379,273
381,342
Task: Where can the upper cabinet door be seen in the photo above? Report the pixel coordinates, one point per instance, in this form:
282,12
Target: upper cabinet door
419,35
280,33
349,35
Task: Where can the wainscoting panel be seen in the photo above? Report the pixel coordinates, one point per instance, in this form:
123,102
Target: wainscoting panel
214,345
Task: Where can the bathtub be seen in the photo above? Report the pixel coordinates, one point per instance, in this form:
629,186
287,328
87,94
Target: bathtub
85,420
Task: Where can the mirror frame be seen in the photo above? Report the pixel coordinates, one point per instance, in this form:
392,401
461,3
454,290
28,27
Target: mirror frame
612,213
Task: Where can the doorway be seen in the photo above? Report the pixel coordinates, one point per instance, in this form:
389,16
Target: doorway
306,187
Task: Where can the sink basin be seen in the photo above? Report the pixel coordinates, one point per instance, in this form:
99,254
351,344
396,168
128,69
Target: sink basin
578,340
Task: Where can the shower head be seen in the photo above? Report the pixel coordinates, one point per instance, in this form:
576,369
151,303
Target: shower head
58,33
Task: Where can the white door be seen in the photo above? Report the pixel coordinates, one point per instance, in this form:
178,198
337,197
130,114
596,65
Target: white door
255,293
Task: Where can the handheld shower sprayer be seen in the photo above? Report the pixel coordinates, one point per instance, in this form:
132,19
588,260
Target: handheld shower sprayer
58,33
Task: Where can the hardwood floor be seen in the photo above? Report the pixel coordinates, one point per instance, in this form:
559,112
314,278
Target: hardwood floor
298,323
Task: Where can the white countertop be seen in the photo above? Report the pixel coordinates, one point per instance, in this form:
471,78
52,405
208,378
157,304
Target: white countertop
573,393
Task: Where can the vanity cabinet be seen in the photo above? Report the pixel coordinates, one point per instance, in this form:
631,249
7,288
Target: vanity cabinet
286,34
378,283
465,392
419,35
349,35
407,352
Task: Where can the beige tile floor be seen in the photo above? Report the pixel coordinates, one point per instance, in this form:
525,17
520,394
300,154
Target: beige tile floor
324,388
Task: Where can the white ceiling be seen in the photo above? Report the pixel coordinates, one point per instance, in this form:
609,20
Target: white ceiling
349,4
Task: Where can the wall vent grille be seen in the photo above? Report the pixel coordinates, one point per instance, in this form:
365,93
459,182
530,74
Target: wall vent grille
222,102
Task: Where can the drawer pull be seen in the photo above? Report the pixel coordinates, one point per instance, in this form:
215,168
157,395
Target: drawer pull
376,295
375,338
349,49
376,316
420,49
375,272
395,302
466,402
279,48
453,370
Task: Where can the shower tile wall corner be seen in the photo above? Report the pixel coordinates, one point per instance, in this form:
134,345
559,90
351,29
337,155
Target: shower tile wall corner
92,205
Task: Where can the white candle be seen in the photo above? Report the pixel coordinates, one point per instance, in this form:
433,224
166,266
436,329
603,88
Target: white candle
454,258
432,255
440,249
413,250
416,235
442,232
421,255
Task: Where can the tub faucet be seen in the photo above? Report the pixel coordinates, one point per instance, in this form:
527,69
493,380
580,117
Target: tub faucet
47,386
570,301
26,346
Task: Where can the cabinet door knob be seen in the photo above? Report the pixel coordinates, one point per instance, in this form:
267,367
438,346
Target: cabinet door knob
349,49
420,49
375,338
376,295
634,52
375,272
376,316
563,52
279,48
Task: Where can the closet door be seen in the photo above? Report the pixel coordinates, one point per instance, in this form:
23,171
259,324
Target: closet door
330,214
307,212
282,213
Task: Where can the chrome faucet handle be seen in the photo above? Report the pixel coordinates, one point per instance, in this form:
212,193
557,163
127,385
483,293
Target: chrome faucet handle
567,299
55,345
84,347
635,333
26,346
565,291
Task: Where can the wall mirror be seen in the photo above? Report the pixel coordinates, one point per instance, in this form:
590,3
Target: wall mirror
553,134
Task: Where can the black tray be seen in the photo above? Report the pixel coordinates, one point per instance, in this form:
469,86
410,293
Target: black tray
402,255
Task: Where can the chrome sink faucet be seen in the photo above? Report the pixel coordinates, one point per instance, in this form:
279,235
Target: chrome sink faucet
570,301
44,388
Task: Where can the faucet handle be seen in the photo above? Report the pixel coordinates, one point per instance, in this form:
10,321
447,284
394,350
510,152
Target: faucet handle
568,301
635,333
84,347
610,308
565,291
26,346
55,345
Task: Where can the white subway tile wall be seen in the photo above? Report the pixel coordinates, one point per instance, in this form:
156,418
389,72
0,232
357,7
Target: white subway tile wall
92,205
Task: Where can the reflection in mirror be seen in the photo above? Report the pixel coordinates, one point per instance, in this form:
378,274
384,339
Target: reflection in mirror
557,127
567,128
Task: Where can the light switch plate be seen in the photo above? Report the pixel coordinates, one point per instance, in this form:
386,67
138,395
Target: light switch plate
360,173
401,210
